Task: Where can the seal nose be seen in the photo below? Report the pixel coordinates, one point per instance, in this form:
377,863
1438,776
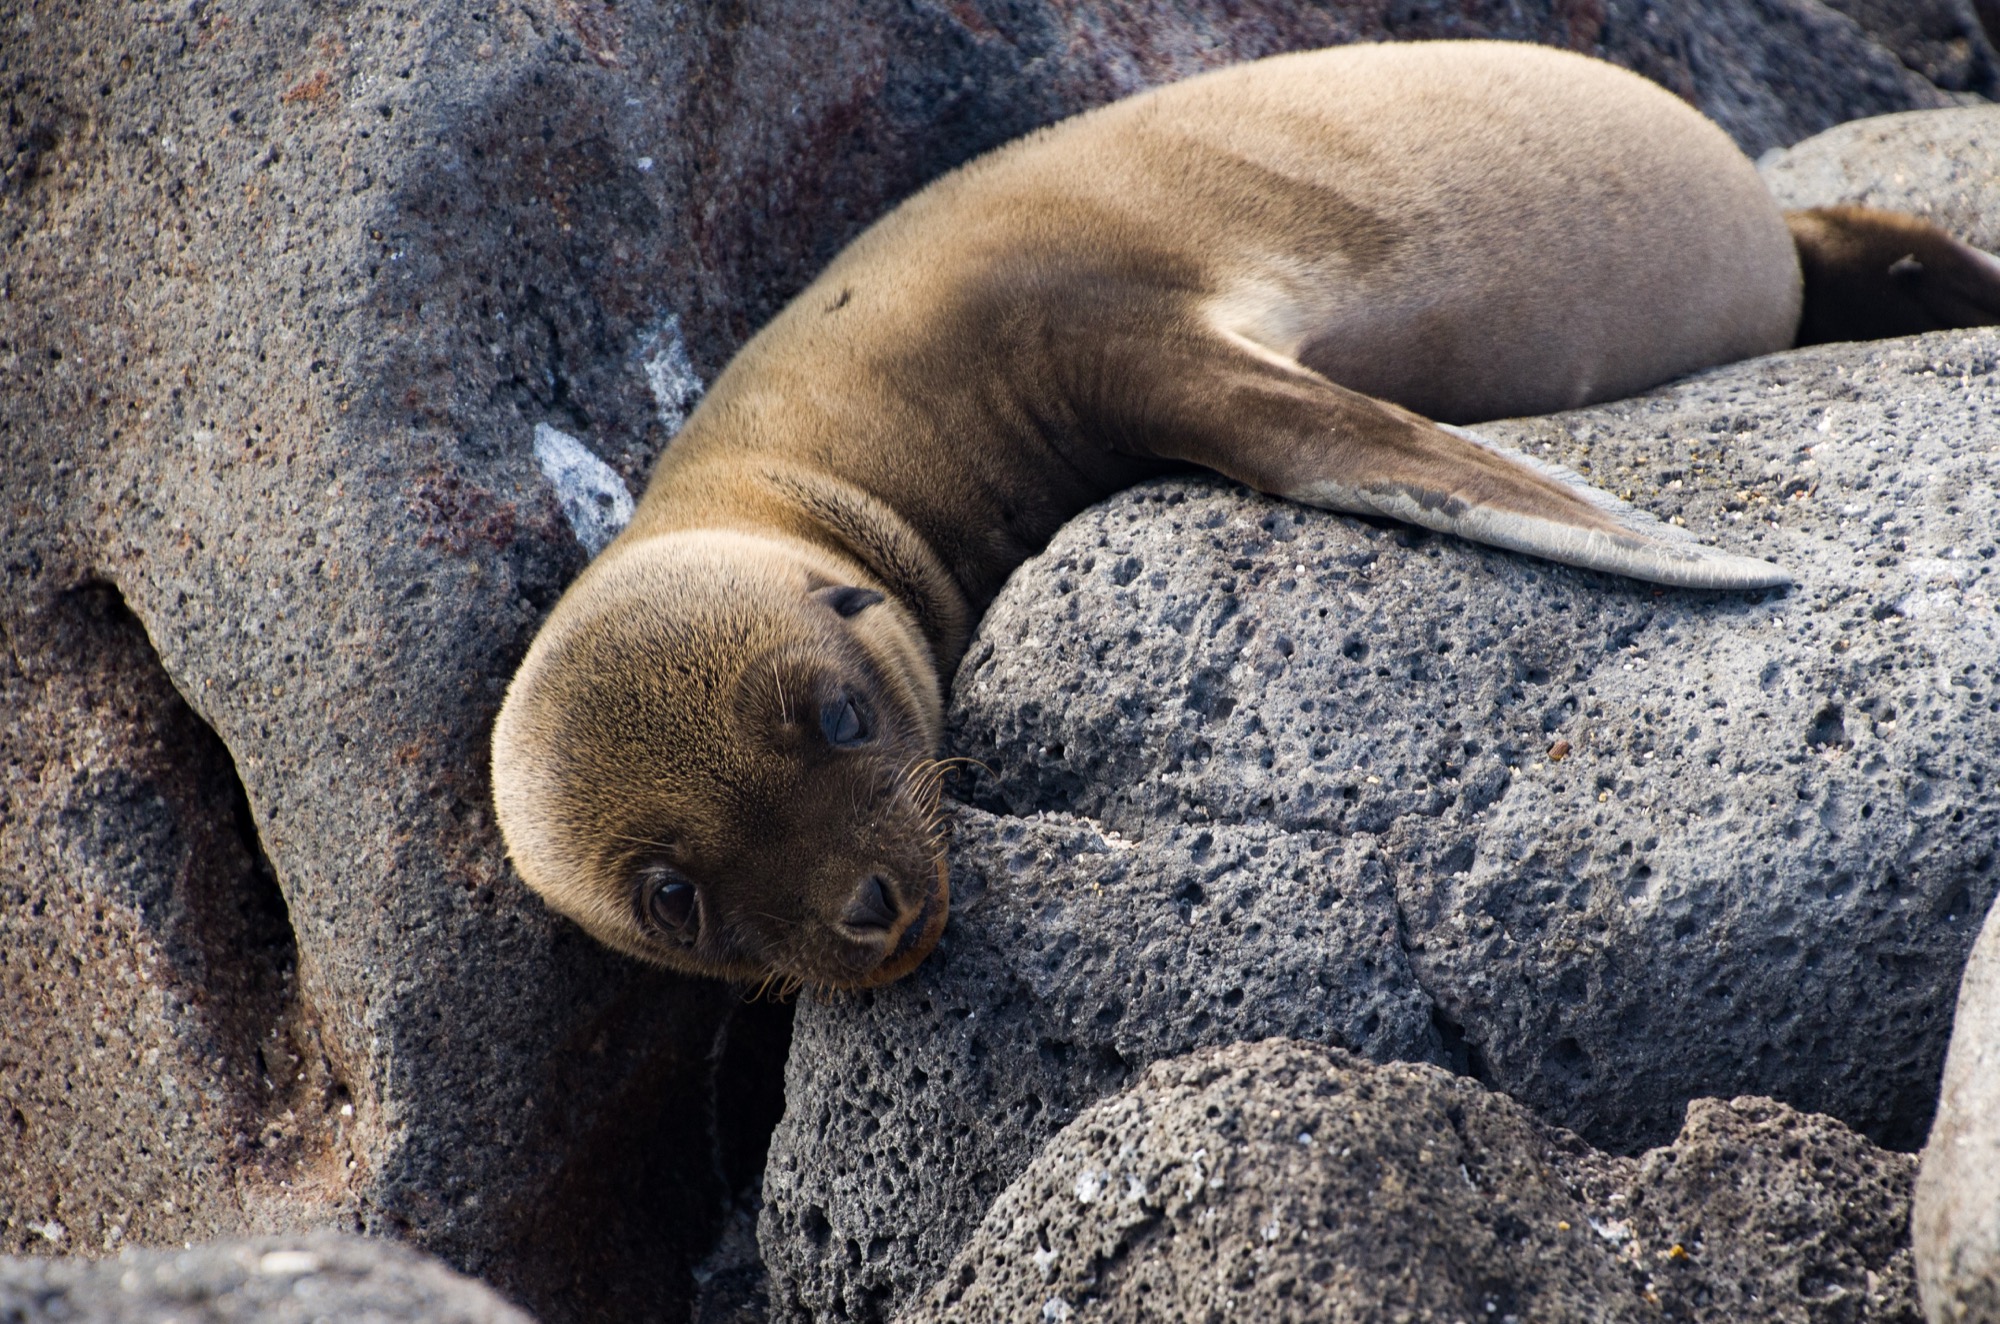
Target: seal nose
870,912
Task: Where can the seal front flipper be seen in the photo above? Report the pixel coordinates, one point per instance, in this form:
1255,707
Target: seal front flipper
1634,544
1286,430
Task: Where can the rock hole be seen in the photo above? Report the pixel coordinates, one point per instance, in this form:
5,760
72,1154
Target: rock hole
163,896
1568,1056
1460,1054
1829,729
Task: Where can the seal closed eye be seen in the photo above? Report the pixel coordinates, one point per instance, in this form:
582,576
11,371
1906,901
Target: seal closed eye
719,753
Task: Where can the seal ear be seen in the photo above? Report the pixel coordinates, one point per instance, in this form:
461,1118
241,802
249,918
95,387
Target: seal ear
846,599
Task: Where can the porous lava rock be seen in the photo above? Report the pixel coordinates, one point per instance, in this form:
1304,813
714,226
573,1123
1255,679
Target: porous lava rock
1074,958
1284,1181
1943,165
1643,845
147,961
1943,40
269,1280
291,290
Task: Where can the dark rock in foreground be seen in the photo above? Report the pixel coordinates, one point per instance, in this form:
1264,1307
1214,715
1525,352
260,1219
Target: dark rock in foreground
269,1280
1282,1181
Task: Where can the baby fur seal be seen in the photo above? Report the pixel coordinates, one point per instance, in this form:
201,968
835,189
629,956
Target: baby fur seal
718,754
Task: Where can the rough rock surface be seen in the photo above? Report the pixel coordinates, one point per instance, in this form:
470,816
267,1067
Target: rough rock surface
1943,165
1282,1181
1956,1223
1627,828
1073,959
269,1280
1939,39
1643,846
290,291
147,964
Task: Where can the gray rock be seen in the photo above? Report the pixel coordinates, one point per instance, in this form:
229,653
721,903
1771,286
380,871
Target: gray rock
269,1280
147,962
1939,39
1956,1220
1945,165
1645,845
1642,846
1770,73
1940,164
1073,959
1282,1181
290,289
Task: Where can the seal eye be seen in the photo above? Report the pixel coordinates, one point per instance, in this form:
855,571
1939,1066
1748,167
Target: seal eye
669,900
846,599
841,722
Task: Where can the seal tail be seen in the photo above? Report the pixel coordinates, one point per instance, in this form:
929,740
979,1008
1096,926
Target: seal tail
1284,429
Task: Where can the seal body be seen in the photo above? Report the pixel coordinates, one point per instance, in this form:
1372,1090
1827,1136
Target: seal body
1298,272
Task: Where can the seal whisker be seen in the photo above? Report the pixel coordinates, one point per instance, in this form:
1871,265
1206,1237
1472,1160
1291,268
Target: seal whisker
640,841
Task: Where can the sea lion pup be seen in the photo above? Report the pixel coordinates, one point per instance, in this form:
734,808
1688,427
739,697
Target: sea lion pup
716,755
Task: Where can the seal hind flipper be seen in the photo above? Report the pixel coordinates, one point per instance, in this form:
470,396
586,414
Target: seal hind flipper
1284,429
1870,274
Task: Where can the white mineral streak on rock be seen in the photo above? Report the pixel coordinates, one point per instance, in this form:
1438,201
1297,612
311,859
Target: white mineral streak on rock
663,357
593,496
1200,1177
287,1263
1089,1184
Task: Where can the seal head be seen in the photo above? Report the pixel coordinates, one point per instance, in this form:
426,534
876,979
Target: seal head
717,758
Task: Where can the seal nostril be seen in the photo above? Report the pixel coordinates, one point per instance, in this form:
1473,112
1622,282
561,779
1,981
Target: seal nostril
871,908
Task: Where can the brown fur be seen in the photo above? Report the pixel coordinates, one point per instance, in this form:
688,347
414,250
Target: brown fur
1263,271
1875,273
